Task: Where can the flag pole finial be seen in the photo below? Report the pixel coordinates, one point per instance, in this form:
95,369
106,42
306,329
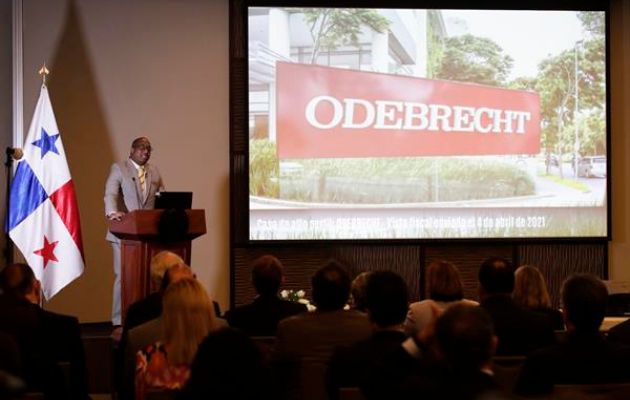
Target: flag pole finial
43,71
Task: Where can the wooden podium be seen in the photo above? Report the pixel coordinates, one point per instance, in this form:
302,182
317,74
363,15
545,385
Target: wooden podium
141,240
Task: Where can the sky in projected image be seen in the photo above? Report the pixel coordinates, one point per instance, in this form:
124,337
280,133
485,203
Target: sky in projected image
431,124
517,31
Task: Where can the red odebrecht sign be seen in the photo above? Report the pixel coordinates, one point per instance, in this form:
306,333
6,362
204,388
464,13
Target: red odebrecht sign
332,112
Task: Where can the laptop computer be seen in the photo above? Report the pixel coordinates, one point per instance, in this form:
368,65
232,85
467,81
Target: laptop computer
177,200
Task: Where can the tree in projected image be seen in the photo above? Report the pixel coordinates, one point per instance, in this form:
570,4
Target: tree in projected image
469,58
333,27
555,83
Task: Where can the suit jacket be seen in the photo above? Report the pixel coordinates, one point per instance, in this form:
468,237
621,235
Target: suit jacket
45,339
440,383
261,317
351,366
64,336
150,307
620,333
583,358
519,331
123,191
305,343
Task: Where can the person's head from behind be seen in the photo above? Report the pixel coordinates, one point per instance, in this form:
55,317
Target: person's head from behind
188,316
386,299
331,287
175,273
444,282
496,276
160,263
267,275
584,299
465,338
228,365
18,280
530,290
357,291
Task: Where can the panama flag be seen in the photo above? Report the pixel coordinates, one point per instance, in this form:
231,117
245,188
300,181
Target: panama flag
43,218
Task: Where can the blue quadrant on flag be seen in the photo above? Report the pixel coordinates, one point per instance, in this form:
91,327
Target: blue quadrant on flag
27,193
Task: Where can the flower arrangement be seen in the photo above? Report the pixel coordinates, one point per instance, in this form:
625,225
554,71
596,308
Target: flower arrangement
297,296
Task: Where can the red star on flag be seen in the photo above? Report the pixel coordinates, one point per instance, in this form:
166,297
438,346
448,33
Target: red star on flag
47,252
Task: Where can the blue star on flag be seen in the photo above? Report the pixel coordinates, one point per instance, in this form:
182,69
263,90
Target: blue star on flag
47,143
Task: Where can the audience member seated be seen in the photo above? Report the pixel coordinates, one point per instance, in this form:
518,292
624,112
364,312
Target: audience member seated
530,292
261,317
464,344
620,333
149,332
445,289
585,357
188,317
520,331
306,341
357,292
44,338
386,301
228,365
151,306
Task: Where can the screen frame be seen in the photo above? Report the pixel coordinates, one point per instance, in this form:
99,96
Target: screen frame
239,114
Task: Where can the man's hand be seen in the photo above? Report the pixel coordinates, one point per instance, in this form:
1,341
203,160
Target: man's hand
116,215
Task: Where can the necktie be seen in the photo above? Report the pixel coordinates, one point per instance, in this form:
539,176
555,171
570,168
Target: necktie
141,174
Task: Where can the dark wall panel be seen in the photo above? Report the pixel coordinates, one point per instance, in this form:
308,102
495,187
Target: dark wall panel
557,262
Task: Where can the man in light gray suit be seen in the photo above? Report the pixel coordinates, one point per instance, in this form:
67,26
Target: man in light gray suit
131,185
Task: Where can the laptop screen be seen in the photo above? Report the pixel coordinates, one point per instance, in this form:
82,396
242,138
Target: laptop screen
178,200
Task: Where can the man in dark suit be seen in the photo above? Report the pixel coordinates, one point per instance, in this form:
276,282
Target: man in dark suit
464,344
386,301
520,331
306,341
44,338
261,317
585,357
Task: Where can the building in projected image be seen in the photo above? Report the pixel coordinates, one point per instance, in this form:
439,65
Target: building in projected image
401,47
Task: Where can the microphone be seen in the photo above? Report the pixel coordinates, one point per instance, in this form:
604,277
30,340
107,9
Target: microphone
15,152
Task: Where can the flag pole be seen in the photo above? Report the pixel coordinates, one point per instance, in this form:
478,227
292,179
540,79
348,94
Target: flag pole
8,249
43,71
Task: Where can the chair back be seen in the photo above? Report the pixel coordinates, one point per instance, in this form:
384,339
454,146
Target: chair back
561,336
160,394
506,371
265,345
611,391
350,393
99,360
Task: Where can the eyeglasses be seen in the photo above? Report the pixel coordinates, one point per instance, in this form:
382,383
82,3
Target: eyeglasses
143,147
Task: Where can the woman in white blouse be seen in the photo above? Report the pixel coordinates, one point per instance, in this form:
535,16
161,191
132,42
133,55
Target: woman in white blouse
445,289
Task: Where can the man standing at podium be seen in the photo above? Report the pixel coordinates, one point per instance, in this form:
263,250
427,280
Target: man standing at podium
131,185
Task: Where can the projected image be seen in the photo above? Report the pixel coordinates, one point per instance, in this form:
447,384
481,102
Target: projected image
429,124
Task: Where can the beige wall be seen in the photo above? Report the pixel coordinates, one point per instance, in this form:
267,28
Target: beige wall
123,68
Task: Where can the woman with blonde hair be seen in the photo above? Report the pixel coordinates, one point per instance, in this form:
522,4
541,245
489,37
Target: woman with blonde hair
445,289
530,292
187,318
